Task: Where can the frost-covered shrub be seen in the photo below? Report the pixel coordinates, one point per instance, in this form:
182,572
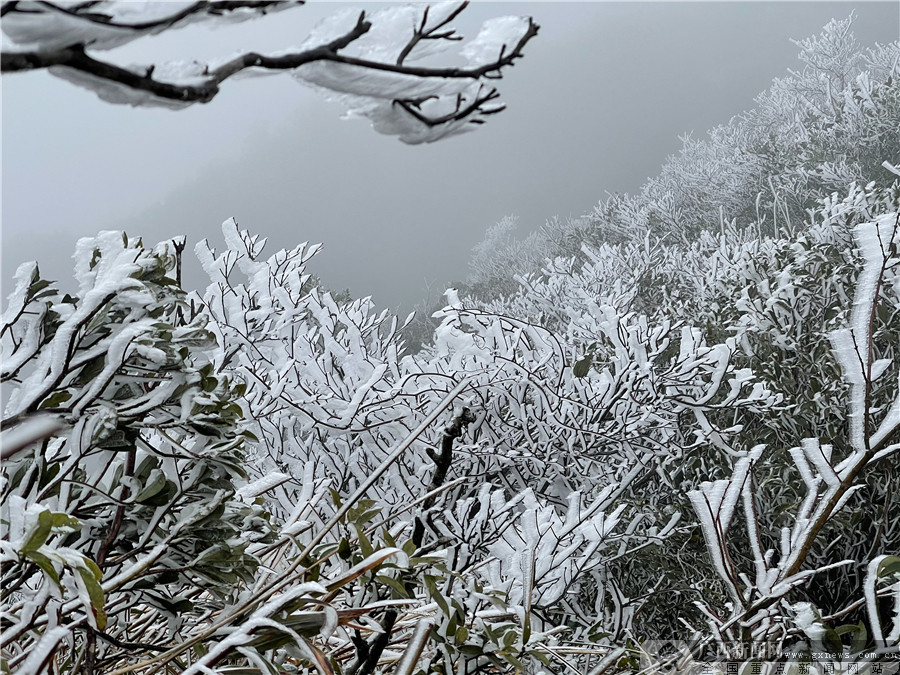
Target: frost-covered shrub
122,446
776,301
553,509
740,236
679,419
500,256
563,422
795,543
815,131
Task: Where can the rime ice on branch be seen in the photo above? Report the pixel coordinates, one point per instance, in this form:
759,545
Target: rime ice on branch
368,61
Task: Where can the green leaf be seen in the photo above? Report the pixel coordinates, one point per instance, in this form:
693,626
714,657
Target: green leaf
431,585
155,484
344,549
93,568
182,606
45,564
832,641
397,588
336,498
37,284
100,318
540,656
324,551
55,399
471,650
91,369
583,367
365,566
367,515
514,661
889,566
116,440
365,546
163,497
145,468
39,534
858,635
452,624
64,521
48,473
95,592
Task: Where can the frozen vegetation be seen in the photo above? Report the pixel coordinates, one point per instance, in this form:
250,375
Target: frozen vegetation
667,428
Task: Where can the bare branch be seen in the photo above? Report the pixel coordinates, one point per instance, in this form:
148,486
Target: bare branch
412,107
431,34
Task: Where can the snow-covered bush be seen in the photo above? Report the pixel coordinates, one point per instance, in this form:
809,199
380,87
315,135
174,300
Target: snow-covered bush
815,131
588,411
549,511
741,236
679,419
833,466
122,444
500,256
775,301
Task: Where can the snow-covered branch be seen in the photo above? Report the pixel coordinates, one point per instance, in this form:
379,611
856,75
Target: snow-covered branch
362,59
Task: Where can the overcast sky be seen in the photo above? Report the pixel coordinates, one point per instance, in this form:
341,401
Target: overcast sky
595,107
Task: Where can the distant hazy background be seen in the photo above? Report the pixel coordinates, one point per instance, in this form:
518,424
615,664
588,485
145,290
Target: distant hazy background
595,107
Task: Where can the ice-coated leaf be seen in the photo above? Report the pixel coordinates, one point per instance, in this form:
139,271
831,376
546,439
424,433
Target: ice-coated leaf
44,563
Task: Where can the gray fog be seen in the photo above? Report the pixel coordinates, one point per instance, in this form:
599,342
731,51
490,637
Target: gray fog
596,105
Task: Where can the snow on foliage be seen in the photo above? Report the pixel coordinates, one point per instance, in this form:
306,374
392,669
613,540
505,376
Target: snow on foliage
362,60
830,482
35,26
814,131
416,107
652,436
331,393
134,481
